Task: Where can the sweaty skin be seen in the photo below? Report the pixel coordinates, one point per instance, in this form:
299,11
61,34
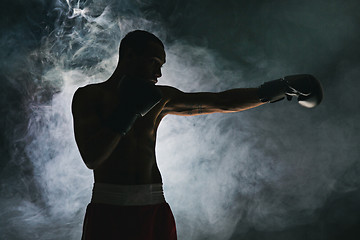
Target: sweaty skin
130,159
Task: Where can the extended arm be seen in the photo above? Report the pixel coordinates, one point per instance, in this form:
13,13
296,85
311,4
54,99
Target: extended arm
306,88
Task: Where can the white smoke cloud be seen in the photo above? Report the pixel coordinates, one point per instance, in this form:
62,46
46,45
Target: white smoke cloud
265,169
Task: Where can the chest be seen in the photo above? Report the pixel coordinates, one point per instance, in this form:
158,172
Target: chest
144,127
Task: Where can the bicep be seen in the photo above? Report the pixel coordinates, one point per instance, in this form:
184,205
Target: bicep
188,104
85,119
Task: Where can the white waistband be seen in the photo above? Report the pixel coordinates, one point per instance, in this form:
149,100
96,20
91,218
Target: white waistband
127,195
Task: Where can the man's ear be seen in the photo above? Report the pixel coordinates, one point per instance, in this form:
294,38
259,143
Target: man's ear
129,54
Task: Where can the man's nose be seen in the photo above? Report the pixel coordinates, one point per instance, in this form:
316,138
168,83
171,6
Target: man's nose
158,73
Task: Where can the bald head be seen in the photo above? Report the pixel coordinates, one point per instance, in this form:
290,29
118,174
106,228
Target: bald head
138,42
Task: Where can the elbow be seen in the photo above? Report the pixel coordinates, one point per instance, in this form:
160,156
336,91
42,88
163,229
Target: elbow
94,155
91,162
90,165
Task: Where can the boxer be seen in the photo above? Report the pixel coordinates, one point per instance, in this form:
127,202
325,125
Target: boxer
115,125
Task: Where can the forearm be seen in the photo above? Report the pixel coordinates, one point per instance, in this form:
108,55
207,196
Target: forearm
239,99
97,149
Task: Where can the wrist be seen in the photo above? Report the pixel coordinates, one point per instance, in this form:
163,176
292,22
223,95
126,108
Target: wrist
272,91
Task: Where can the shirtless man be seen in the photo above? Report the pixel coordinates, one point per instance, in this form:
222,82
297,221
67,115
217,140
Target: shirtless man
115,124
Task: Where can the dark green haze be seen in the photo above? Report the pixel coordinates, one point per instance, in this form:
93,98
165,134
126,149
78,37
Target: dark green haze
279,171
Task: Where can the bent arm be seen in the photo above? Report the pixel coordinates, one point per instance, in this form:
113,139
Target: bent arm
95,141
234,100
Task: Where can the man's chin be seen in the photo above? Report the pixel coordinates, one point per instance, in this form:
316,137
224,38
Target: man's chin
143,79
154,81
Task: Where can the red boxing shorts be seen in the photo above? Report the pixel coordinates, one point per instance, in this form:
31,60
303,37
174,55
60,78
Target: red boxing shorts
128,212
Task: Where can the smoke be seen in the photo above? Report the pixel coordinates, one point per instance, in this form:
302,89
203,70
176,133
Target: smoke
47,196
226,176
271,168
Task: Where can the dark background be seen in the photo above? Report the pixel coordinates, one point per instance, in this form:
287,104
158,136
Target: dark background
275,172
